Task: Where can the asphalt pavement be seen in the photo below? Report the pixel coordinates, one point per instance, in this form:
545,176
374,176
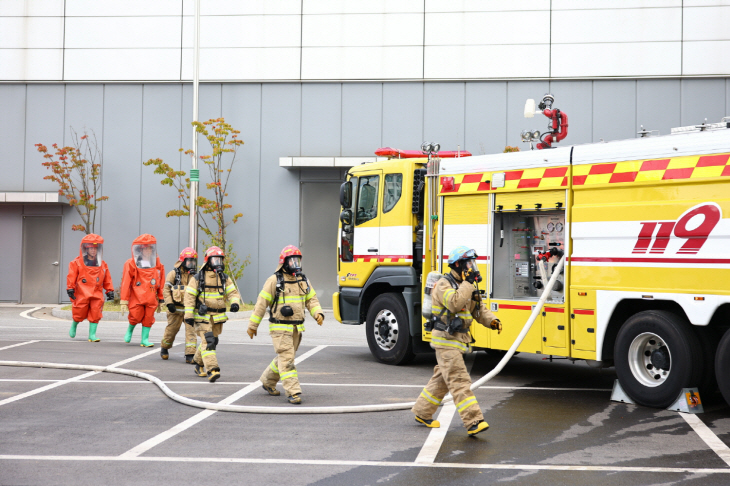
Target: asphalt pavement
550,422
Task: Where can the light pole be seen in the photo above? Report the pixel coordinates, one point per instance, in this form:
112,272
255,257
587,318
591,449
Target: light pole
194,172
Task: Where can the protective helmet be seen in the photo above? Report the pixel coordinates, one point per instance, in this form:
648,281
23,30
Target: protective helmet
290,260
213,257
461,253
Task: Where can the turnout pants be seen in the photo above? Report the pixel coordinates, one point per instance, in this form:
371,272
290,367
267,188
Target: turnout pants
174,321
282,367
203,355
449,375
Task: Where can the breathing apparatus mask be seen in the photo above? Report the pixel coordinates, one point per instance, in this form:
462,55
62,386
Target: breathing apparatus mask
293,265
190,265
469,270
216,263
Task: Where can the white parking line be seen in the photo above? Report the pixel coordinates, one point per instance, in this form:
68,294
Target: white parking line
325,462
707,435
436,437
25,313
70,380
200,416
19,344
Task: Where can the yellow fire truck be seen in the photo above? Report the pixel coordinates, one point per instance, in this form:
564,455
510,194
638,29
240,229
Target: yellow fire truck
645,225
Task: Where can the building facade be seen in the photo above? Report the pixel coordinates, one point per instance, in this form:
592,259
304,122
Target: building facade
314,86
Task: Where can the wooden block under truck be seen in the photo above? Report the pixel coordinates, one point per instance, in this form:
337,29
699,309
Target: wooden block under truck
645,224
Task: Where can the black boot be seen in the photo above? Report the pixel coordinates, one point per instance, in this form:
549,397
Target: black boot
163,353
189,358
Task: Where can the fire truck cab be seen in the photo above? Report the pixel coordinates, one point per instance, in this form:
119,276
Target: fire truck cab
644,223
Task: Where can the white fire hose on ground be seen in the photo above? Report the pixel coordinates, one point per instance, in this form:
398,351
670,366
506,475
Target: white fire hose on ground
302,410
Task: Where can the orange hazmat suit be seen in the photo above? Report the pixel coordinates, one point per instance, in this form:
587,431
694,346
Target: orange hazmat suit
89,277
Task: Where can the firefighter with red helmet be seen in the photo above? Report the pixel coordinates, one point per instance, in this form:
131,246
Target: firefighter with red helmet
141,291
88,277
206,296
173,293
287,294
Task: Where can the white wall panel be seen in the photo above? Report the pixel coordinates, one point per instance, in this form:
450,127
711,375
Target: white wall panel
361,6
485,5
617,25
118,8
706,23
626,59
362,62
122,64
703,3
23,8
448,29
706,57
455,62
612,4
362,30
244,63
243,7
31,64
30,32
122,32
244,31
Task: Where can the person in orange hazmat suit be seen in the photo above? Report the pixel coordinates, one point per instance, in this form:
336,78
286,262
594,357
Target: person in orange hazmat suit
142,282
88,277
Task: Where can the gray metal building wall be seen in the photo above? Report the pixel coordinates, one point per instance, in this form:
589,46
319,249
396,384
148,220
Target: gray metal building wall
135,122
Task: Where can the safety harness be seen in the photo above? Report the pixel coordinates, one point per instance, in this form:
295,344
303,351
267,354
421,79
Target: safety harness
200,277
456,324
280,290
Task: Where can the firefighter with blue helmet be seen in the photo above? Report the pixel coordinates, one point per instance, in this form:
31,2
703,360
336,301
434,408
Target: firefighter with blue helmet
456,304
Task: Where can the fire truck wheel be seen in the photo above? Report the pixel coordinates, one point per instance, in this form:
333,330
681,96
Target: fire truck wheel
656,355
387,330
722,366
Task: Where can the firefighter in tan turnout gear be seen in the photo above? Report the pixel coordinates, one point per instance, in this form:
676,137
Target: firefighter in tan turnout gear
173,293
206,296
286,293
456,303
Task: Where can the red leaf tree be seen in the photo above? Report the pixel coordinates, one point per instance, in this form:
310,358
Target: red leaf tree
77,171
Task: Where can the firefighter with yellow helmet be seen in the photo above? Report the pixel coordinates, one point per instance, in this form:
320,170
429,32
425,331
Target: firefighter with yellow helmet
286,293
456,304
173,293
206,296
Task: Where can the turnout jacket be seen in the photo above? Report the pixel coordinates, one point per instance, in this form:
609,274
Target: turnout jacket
458,302
173,292
215,295
297,295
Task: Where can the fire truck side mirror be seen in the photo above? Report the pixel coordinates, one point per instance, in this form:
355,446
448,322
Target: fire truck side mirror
346,195
346,217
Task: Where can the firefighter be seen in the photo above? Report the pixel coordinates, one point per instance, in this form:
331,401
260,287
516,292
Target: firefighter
173,292
286,294
88,278
206,296
141,291
456,303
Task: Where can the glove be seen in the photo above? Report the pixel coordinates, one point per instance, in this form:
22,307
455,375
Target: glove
71,294
469,275
251,332
496,325
319,318
190,321
234,307
110,295
171,308
125,308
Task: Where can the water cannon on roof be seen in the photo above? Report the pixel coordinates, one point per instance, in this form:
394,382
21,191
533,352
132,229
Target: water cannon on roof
557,127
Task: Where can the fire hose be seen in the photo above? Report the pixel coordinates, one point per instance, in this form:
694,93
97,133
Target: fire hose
303,410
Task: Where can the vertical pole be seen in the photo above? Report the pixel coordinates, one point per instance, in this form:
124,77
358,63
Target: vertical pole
194,173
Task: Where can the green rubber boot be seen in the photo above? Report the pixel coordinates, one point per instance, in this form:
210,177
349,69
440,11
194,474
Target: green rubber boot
128,336
72,331
145,338
92,332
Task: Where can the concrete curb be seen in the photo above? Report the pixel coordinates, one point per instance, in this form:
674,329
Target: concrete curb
122,316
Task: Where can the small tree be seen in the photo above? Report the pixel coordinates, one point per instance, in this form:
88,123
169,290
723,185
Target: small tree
77,171
223,139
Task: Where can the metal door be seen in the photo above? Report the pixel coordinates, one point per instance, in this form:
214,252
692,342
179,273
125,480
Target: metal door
318,221
41,257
